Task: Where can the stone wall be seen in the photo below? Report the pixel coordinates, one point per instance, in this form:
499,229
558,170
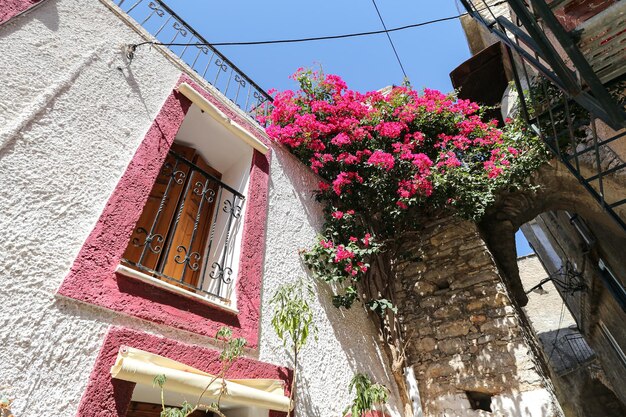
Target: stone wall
464,334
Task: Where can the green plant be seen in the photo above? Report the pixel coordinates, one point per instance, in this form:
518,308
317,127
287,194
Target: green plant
367,395
232,349
293,320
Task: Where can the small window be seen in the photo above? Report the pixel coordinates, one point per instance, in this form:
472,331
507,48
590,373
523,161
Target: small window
479,400
186,233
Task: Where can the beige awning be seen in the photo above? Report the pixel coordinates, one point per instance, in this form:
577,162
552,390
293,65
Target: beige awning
141,367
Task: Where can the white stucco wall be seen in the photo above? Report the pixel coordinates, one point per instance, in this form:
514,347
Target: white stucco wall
72,114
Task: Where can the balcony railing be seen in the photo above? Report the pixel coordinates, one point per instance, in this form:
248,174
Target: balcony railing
167,28
567,81
186,234
535,33
572,352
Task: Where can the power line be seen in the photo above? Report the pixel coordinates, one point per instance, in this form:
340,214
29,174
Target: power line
390,41
317,38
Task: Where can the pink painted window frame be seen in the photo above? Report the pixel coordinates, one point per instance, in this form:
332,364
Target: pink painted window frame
106,396
92,278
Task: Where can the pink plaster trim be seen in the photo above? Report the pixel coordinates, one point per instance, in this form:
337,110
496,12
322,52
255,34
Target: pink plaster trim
11,8
110,397
92,278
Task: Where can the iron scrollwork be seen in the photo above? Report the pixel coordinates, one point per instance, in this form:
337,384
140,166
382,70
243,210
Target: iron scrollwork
233,209
159,12
203,48
220,63
240,80
204,191
180,28
178,176
150,238
191,259
219,272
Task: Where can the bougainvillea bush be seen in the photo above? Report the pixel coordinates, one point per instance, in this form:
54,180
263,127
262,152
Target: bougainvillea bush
389,159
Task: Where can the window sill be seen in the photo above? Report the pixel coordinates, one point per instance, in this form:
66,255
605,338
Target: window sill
131,273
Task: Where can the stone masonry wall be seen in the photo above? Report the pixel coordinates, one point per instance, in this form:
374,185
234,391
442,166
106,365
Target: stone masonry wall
464,333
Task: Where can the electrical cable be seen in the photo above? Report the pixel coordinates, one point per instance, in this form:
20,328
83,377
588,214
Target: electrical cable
558,330
390,41
317,38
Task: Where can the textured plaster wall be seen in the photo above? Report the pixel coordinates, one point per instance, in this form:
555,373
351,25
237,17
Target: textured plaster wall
346,342
72,114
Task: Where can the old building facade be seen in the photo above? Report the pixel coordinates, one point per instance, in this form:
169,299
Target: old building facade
567,60
144,209
85,134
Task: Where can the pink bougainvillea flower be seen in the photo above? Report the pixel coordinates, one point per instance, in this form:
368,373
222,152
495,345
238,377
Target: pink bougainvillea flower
382,159
326,244
343,253
341,139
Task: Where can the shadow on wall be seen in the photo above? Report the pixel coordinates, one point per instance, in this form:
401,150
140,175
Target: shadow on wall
304,184
352,328
47,15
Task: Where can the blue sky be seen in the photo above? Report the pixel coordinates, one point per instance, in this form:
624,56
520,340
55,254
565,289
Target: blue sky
428,53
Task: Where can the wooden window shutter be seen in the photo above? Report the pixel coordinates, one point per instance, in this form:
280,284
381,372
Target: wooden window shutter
173,231
196,212
175,175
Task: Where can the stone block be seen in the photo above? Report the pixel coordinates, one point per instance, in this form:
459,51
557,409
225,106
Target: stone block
486,338
479,259
475,305
447,312
432,302
452,346
500,325
438,273
425,344
501,311
452,329
424,288
496,300
472,244
438,370
466,281
478,318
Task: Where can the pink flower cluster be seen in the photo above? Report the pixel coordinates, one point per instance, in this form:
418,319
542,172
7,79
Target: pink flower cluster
342,132
379,152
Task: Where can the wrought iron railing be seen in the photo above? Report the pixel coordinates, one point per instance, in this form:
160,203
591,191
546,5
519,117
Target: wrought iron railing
187,231
572,351
167,28
560,94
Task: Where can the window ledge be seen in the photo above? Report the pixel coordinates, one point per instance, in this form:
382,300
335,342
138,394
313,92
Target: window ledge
140,276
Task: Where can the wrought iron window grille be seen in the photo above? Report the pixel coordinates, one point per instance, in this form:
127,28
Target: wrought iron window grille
205,60
186,233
